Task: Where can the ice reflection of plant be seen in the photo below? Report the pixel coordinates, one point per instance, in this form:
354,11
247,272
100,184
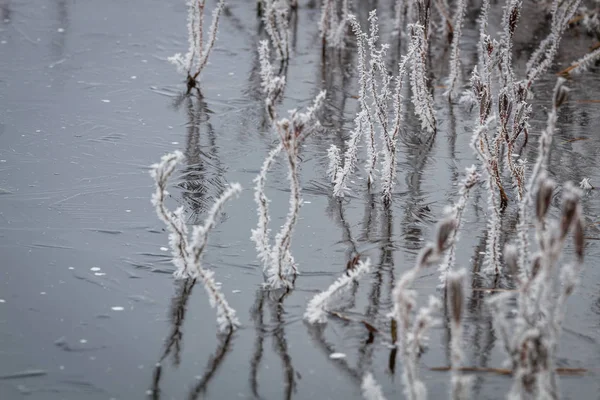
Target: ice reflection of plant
196,58
188,251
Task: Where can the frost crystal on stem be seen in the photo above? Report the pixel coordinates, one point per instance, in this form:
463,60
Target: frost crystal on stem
545,142
187,252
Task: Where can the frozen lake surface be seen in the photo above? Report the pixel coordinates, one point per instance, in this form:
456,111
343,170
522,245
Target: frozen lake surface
88,305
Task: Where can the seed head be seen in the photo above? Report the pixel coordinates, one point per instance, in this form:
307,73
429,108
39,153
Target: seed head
456,295
543,198
561,93
444,234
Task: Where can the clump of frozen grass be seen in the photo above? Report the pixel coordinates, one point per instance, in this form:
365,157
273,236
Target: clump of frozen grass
370,388
332,25
460,384
317,309
278,263
532,340
456,212
409,328
196,58
187,251
275,18
381,109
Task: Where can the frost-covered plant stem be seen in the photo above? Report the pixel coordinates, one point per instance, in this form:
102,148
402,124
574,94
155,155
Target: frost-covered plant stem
456,212
583,64
178,232
197,56
283,259
277,260
272,85
390,136
421,97
275,18
453,79
187,252
261,235
545,143
543,56
366,77
317,309
409,329
489,159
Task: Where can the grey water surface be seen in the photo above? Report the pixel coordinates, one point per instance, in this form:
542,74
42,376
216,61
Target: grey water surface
88,305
